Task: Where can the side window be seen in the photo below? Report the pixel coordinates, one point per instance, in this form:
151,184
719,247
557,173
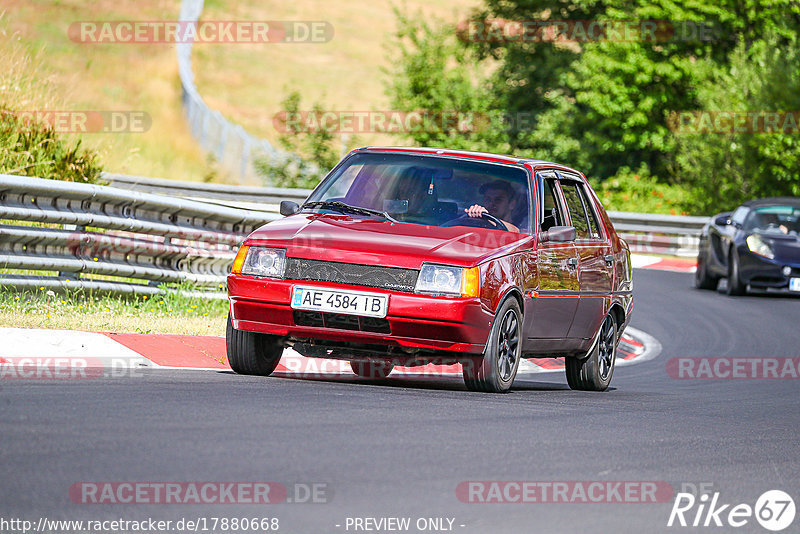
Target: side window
576,210
552,207
594,226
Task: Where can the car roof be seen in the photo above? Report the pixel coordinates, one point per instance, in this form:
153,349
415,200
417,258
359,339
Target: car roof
772,201
468,154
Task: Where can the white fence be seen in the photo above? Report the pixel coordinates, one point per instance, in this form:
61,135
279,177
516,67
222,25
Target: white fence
229,143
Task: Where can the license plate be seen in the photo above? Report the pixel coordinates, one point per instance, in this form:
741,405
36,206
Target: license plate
349,302
794,284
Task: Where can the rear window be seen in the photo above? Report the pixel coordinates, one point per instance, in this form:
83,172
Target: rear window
576,209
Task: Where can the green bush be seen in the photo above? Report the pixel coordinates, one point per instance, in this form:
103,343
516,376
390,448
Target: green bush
30,148
638,191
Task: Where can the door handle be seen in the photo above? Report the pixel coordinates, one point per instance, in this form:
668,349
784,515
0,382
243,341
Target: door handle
609,259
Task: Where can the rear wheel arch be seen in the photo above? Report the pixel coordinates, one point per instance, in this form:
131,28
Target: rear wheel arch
619,315
593,372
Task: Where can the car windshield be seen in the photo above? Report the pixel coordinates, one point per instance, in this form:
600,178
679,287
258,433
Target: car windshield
429,190
774,219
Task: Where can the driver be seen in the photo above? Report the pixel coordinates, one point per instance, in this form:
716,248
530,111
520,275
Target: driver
790,227
500,200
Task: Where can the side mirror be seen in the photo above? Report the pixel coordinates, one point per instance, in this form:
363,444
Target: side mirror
558,234
723,220
289,208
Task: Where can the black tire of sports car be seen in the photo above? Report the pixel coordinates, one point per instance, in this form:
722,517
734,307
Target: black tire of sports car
250,353
495,372
735,285
703,280
593,372
374,369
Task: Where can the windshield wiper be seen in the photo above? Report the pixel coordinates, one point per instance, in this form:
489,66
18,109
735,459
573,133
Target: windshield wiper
347,208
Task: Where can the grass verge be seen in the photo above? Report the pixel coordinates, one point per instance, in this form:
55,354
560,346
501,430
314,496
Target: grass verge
171,313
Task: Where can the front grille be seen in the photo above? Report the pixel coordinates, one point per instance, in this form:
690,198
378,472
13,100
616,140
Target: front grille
390,278
341,321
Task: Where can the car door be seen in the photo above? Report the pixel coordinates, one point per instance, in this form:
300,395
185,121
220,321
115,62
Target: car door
595,258
551,306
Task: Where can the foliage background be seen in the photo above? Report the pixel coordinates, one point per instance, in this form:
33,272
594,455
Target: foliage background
604,106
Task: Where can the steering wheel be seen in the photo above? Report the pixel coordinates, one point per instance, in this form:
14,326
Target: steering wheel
484,221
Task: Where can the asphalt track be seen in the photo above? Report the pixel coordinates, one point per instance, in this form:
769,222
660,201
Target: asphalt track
400,448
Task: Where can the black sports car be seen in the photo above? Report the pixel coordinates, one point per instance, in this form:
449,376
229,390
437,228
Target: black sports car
758,244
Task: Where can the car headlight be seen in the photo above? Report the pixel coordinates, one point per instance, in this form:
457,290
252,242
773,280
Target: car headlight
449,281
758,246
260,261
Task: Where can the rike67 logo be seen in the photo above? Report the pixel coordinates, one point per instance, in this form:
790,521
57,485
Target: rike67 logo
774,510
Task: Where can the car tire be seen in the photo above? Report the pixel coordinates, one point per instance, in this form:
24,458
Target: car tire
373,369
735,285
593,372
495,371
702,279
251,353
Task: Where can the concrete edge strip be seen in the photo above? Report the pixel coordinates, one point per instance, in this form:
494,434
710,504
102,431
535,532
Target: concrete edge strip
39,347
652,347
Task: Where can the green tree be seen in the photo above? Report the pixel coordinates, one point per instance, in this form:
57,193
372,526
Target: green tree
309,151
601,105
438,75
724,169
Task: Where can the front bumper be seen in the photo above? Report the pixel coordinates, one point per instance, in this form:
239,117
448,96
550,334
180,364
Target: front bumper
761,272
415,322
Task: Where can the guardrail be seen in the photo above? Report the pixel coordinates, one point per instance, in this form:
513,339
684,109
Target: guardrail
255,198
102,238
154,231
644,232
659,234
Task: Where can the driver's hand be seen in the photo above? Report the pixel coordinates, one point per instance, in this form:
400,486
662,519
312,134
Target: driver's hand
476,210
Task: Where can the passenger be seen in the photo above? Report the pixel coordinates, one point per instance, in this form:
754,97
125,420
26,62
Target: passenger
417,188
500,200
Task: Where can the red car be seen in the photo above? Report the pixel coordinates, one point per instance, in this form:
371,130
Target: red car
410,256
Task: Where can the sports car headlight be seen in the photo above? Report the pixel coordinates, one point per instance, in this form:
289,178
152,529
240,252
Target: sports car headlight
263,261
758,246
450,281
